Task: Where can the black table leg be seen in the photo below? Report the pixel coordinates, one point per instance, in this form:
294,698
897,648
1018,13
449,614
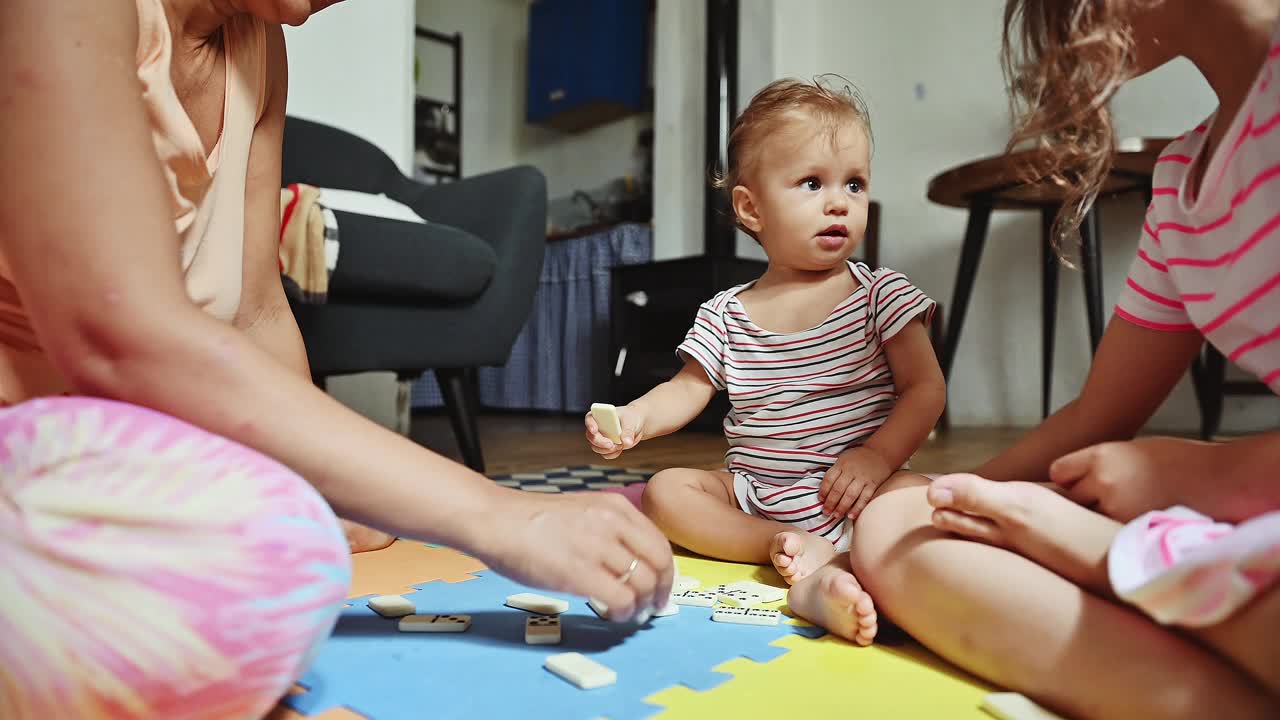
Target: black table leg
975,236
1091,259
1048,304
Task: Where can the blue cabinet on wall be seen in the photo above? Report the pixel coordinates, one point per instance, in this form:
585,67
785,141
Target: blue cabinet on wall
588,61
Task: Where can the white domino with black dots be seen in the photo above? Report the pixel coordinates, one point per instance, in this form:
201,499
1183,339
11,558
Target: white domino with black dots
746,616
435,623
542,630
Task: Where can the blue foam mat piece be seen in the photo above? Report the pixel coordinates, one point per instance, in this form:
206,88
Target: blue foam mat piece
489,672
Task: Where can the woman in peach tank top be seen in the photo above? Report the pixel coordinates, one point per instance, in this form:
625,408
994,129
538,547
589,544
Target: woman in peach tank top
159,433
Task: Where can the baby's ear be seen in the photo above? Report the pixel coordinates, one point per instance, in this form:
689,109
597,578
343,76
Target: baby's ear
744,206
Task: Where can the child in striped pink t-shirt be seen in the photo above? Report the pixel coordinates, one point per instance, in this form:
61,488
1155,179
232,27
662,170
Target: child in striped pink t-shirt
831,378
1208,265
1187,532
1209,257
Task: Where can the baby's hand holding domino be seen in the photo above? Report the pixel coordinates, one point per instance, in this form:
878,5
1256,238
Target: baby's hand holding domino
849,484
599,428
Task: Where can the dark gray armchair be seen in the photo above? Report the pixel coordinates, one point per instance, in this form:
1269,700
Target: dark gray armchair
449,296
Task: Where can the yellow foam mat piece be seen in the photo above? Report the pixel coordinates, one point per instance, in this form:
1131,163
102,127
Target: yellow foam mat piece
827,674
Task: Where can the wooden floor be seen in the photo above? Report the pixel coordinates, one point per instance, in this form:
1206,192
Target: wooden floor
523,443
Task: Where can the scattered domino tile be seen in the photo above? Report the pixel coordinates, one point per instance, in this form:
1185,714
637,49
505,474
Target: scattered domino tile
684,583
580,670
542,630
598,606
767,593
538,604
392,606
696,598
1014,706
607,419
435,623
739,598
746,616
671,608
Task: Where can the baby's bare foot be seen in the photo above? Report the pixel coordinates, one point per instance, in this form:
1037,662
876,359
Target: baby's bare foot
1029,519
831,598
796,554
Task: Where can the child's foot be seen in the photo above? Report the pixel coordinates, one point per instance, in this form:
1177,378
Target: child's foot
797,554
1029,519
831,598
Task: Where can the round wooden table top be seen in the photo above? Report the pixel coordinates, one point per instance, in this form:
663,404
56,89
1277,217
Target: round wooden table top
1001,178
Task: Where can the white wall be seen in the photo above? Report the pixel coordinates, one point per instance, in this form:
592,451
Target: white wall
937,99
351,66
679,172
495,40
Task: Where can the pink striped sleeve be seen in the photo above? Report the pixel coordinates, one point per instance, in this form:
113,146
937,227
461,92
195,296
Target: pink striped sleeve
1149,297
705,343
895,302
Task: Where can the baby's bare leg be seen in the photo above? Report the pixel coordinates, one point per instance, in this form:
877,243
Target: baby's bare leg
697,510
1025,627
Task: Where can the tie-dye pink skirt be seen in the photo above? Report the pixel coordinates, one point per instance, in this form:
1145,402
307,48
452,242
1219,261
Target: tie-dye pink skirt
151,569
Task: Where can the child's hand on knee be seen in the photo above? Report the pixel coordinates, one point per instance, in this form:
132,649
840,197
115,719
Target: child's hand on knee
631,426
850,483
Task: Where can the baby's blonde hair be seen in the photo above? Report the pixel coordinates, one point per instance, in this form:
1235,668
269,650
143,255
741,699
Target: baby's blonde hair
830,99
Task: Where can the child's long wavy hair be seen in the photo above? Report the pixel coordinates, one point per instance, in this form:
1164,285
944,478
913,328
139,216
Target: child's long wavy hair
1063,60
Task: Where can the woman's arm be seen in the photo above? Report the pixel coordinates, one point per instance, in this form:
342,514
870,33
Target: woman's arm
264,313
1133,372
87,235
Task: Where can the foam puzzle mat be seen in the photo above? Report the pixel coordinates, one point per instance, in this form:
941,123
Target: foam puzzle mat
682,666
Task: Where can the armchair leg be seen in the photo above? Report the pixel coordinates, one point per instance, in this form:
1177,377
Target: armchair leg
459,398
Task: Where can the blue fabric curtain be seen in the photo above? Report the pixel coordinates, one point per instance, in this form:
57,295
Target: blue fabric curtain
560,361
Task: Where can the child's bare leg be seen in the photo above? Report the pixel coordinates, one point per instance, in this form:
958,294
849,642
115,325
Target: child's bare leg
1073,541
697,509
1030,519
1249,638
1022,626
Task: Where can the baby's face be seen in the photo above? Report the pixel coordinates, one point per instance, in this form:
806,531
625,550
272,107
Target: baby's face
810,189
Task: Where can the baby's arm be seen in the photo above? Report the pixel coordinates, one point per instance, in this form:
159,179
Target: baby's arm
922,394
661,411
676,402
851,482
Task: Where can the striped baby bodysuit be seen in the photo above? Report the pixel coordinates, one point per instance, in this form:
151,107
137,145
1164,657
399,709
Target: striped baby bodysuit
799,399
